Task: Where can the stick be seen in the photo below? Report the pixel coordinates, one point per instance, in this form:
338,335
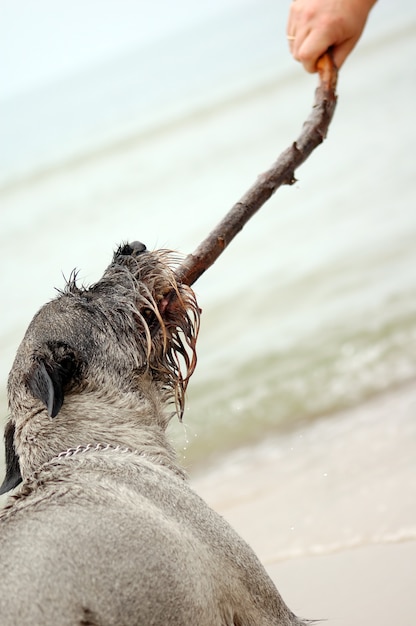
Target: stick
282,172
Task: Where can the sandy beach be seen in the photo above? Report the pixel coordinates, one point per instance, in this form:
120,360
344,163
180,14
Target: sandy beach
372,585
330,512
362,586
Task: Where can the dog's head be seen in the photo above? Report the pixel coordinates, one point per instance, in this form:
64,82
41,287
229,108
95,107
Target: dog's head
133,332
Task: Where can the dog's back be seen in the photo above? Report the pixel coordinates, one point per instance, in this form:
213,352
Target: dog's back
109,538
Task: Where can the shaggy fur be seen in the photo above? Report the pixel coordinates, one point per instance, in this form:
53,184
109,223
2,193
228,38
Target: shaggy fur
104,529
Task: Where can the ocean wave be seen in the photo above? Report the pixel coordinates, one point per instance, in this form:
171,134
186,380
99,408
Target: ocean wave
336,369
401,535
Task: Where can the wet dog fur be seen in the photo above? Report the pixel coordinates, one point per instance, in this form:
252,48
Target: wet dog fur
103,528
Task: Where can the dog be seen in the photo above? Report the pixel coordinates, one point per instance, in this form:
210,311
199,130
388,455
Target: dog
103,528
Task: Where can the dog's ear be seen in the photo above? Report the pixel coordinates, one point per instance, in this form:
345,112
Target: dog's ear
49,378
13,476
46,384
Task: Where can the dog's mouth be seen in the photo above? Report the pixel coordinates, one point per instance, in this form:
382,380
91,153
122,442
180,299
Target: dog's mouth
163,302
157,316
155,272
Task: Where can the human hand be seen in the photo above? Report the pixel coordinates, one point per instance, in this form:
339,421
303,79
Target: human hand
316,25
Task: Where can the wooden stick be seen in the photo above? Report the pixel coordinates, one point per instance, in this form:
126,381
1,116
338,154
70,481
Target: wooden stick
282,172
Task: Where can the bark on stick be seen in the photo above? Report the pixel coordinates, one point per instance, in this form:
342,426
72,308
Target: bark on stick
282,172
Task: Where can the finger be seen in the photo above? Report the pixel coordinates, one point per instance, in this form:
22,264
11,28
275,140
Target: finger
309,49
291,20
295,21
290,30
341,52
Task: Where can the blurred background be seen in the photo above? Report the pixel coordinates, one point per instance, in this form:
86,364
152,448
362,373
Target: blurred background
123,120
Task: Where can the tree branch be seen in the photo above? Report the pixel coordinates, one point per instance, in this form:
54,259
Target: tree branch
282,172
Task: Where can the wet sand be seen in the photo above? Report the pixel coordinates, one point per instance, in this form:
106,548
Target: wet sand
368,586
330,510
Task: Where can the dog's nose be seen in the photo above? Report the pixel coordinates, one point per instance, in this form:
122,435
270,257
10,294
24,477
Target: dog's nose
132,249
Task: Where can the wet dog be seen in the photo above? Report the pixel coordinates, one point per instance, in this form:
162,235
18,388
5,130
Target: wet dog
103,529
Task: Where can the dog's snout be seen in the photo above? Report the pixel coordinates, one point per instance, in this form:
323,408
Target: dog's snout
132,249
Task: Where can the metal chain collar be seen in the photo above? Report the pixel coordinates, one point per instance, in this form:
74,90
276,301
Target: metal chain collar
94,448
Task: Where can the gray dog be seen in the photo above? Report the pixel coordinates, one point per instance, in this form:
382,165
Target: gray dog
104,529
